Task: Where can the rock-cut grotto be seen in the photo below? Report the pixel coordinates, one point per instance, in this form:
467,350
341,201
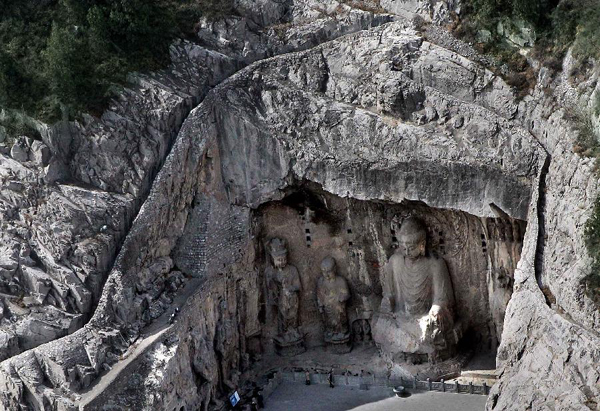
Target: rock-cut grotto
350,198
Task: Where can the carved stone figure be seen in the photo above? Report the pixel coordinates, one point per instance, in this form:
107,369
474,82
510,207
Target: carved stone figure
284,292
332,296
362,330
416,318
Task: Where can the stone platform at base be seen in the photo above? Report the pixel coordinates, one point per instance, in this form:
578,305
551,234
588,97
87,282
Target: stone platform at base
297,396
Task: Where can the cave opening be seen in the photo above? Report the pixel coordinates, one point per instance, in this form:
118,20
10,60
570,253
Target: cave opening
481,255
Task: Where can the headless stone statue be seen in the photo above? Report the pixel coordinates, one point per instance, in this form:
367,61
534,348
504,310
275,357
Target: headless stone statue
284,292
416,317
332,296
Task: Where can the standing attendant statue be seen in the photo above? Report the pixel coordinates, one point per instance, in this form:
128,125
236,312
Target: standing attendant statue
416,317
284,292
332,297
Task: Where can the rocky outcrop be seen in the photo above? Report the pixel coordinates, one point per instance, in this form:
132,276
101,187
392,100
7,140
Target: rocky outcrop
549,354
68,201
342,99
349,121
65,207
382,115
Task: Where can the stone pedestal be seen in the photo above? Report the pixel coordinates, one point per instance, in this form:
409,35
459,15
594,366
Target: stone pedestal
401,340
340,345
287,348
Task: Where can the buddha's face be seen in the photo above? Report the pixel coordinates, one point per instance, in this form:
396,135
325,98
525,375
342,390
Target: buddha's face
328,268
413,246
328,273
280,261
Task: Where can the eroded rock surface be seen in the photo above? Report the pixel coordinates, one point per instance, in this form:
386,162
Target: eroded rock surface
383,116
68,202
550,350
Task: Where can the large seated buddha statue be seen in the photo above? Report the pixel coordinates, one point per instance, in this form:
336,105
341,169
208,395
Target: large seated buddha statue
415,322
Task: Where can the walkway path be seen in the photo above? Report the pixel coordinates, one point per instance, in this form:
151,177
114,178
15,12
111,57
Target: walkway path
148,336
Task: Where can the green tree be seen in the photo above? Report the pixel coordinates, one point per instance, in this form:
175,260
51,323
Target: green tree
564,20
5,77
138,29
587,43
68,66
72,53
532,11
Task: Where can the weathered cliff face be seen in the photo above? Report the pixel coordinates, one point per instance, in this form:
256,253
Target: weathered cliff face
551,348
68,202
337,99
381,116
257,136
64,216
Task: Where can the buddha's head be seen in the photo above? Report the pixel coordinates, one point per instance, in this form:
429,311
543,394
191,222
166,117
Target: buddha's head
328,268
278,251
413,238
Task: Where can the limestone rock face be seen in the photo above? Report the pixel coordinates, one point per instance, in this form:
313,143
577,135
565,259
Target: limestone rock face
69,201
20,150
64,206
344,119
268,27
438,11
550,344
71,198
333,93
364,107
40,153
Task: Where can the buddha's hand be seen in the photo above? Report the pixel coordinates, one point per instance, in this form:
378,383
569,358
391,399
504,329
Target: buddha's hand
433,320
434,312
